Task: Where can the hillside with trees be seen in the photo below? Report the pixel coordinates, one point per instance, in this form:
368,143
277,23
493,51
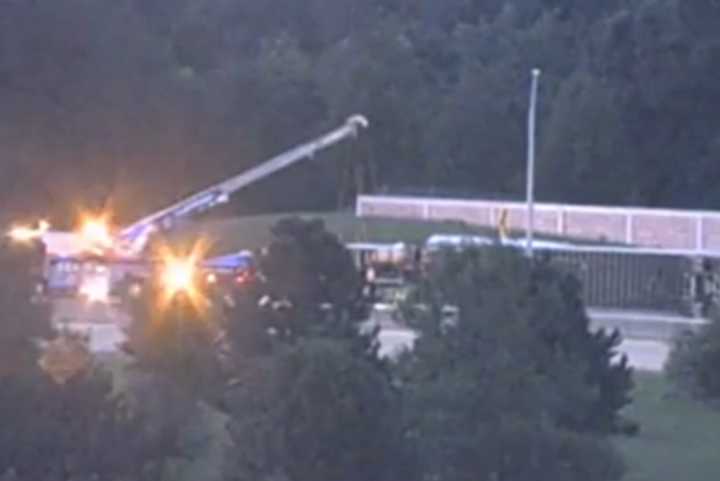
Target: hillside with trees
135,102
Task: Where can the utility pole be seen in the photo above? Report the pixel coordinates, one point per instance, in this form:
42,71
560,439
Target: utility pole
530,186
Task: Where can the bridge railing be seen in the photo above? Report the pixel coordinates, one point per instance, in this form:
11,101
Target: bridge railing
686,230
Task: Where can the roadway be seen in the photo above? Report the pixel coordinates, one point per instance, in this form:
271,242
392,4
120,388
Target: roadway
643,355
644,325
105,329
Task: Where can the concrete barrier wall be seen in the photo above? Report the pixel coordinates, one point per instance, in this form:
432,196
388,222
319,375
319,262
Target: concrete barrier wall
660,228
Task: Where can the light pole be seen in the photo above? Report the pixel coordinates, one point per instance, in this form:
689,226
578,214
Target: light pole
530,186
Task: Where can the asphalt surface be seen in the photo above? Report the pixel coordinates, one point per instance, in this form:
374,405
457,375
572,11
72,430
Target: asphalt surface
646,355
104,327
644,325
642,355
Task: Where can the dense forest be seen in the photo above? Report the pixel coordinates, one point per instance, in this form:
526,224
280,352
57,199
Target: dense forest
135,102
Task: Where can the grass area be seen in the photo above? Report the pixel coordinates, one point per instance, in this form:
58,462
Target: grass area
679,438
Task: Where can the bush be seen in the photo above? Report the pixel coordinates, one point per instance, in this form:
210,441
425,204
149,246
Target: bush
694,361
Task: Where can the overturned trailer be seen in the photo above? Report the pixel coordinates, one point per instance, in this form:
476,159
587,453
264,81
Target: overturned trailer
679,282
631,279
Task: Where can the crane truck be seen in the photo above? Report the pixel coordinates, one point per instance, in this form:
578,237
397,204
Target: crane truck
78,261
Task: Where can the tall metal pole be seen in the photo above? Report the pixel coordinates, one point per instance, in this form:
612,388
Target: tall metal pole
530,187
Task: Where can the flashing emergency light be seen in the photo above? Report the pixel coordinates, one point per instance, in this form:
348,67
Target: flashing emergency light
95,231
25,233
22,234
179,275
96,291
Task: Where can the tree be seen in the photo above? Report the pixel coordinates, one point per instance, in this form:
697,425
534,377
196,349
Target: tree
174,342
315,411
538,308
79,430
562,325
308,397
246,324
53,431
178,373
312,283
627,87
25,321
582,141
489,423
515,384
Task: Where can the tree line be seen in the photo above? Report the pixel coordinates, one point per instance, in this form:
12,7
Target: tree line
133,103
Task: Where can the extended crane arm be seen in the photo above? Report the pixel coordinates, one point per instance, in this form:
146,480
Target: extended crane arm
137,234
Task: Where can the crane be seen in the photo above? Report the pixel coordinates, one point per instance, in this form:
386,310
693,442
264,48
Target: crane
133,238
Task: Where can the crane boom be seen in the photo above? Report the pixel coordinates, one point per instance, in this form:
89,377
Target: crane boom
136,235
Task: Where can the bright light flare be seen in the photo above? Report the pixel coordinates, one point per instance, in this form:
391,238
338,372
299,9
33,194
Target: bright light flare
96,291
180,275
95,232
25,233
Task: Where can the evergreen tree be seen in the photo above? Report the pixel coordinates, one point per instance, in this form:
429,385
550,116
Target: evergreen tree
311,287
516,384
536,308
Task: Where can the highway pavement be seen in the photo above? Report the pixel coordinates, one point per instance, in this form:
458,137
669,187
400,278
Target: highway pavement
642,355
105,329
